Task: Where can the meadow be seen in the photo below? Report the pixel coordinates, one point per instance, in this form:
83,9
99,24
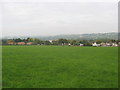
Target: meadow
59,67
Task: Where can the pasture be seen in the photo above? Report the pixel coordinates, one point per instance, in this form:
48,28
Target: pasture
59,67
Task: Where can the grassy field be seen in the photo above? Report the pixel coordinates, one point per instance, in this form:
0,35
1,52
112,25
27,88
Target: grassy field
60,67
0,67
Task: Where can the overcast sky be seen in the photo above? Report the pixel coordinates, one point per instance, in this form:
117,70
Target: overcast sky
43,17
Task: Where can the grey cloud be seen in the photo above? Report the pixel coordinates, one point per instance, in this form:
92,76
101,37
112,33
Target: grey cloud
52,18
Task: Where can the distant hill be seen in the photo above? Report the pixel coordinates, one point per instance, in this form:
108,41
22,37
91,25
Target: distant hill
92,36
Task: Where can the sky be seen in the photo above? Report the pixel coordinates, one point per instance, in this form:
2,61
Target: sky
55,17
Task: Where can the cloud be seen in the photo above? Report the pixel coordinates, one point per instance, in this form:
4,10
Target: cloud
51,18
60,1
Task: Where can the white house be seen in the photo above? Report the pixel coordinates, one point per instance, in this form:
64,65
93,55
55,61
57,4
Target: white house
103,44
69,44
51,41
114,45
108,44
95,44
81,44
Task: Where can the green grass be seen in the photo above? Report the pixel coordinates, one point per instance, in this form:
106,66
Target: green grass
0,67
60,67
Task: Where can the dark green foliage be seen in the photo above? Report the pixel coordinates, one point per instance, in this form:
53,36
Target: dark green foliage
47,43
98,41
4,42
62,41
86,42
18,40
36,41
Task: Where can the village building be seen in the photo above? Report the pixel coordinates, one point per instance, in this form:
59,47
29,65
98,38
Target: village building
62,44
81,44
29,43
108,44
118,43
21,43
69,44
94,44
114,44
103,44
10,43
51,41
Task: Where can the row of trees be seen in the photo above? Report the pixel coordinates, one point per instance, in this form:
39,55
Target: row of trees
36,41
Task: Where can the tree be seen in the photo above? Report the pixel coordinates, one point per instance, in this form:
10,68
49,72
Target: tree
29,39
113,41
4,41
47,43
98,41
38,41
55,42
86,42
18,40
62,41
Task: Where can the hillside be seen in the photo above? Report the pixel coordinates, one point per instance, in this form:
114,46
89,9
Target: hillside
92,36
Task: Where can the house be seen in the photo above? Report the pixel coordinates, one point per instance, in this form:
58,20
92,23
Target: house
29,43
114,44
51,41
94,44
103,44
10,43
81,44
69,44
21,43
118,43
108,44
63,44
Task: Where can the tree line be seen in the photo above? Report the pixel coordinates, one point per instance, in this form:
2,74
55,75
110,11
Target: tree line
36,41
